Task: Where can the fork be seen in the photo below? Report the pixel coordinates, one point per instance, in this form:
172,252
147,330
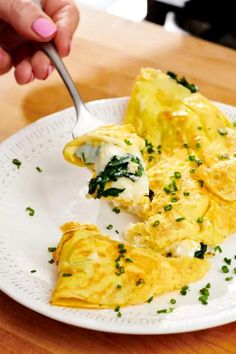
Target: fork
85,121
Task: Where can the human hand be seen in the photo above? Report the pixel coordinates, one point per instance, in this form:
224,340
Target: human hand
21,23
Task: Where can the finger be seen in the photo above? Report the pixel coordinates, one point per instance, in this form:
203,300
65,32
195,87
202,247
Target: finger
41,65
5,62
28,19
66,16
23,72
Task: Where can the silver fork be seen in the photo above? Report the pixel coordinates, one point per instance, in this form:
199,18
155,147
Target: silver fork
85,121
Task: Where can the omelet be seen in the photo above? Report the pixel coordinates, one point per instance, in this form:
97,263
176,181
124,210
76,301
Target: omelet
173,164
97,272
191,165
113,155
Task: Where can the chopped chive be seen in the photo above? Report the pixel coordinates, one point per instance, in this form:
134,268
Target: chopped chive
201,183
150,158
184,290
203,299
150,299
208,285
30,210
38,169
199,128
186,194
181,218
200,220
185,145
192,170
223,157
118,286
127,142
169,310
168,207
17,163
192,157
109,227
166,189
117,308
235,270
116,210
174,200
140,281
129,260
119,314
51,249
225,269
198,145
229,278
218,248
156,223
227,260
33,271
66,275
51,261
177,174
83,157
204,291
222,131
172,301
116,231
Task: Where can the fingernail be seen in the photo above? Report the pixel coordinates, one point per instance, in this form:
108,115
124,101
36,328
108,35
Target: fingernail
44,28
31,78
69,47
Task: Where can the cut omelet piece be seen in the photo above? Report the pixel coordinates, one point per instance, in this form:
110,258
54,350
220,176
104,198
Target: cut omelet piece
97,272
113,154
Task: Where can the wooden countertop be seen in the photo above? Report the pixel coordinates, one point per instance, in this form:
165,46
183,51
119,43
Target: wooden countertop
106,56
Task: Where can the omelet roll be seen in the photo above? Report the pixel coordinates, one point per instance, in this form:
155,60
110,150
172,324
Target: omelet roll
97,272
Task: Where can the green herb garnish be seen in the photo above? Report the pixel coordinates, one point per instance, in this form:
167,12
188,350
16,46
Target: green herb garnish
118,286
223,157
227,260
200,254
117,308
172,301
192,170
229,278
109,227
177,174
174,200
203,299
66,275
30,210
33,271
52,249
38,169
51,261
169,310
186,194
129,260
116,210
192,157
17,163
182,81
225,269
181,218
156,223
222,131
208,285
140,281
168,207
198,145
201,183
149,147
150,299
218,248
200,220
184,290
127,142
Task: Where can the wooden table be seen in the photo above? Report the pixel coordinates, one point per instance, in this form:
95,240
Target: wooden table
107,55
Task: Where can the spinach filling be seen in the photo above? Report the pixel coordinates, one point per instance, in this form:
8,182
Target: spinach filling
116,168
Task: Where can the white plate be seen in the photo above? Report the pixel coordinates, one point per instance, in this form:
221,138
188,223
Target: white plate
58,195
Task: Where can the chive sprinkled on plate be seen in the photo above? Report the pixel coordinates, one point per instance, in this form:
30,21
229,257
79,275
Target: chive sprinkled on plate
33,271
38,169
172,301
218,249
168,207
30,210
51,261
117,232
116,210
227,260
52,249
17,163
228,278
208,286
222,131
150,299
184,290
225,269
109,227
235,270
127,142
169,310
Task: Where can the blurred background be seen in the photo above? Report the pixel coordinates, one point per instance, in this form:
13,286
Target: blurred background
213,20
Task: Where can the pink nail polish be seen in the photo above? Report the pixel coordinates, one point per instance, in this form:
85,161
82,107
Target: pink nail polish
44,28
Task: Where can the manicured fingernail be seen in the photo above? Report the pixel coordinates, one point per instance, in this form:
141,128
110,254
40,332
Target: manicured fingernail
50,69
31,78
44,28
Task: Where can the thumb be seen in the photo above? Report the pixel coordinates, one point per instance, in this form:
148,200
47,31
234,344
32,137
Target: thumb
28,19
